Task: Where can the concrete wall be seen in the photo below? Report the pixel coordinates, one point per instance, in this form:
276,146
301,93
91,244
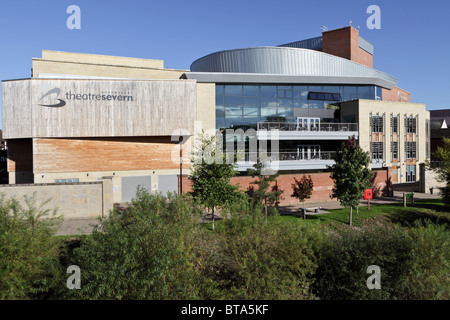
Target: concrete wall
91,65
73,201
115,178
429,179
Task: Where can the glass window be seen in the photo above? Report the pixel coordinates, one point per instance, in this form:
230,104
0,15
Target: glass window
269,103
220,90
251,91
336,97
269,91
320,96
288,94
285,112
231,90
233,100
410,124
350,93
328,96
268,112
285,103
251,101
330,89
301,104
377,124
364,92
410,150
284,87
300,92
315,88
281,93
233,116
410,173
312,96
220,100
394,150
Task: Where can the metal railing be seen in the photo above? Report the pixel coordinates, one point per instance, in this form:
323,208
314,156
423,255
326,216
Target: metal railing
323,127
290,156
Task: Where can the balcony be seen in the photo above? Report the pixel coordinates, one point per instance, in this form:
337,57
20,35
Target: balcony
317,131
294,160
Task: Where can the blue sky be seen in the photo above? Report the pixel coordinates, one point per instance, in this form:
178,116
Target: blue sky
412,45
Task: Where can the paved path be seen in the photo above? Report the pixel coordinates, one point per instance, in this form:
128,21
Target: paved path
85,226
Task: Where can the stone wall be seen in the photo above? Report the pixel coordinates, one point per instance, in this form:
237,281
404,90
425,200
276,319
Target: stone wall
88,200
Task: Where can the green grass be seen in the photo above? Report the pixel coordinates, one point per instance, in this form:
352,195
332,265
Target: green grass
433,210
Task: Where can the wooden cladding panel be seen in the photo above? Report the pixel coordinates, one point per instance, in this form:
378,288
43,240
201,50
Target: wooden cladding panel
97,108
103,154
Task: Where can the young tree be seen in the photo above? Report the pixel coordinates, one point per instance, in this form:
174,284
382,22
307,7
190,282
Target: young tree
442,154
351,174
302,190
262,195
211,174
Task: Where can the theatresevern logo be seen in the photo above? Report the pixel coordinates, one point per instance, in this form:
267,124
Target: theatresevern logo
104,96
56,91
51,96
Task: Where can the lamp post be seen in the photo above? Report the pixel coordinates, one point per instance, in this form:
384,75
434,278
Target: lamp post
181,165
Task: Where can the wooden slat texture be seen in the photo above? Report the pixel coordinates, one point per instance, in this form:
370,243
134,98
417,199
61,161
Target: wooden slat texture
103,154
158,108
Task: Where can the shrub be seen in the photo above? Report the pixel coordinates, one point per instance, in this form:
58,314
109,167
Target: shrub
144,253
429,276
255,260
342,272
28,253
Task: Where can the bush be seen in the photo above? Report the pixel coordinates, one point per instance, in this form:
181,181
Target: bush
429,276
144,253
255,260
342,272
29,266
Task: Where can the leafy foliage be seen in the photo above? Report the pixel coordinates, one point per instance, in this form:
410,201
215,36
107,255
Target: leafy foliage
211,174
303,188
261,196
442,154
144,253
28,254
351,174
254,260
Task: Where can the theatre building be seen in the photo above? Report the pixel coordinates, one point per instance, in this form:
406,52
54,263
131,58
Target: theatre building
82,117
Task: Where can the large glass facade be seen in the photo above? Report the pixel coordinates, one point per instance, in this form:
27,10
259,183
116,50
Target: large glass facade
246,105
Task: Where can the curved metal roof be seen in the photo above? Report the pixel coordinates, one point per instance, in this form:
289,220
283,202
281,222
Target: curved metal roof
291,63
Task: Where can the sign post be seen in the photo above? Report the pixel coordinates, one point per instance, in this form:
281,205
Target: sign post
368,196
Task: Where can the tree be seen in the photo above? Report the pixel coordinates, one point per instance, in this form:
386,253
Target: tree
302,190
261,196
211,174
442,154
351,174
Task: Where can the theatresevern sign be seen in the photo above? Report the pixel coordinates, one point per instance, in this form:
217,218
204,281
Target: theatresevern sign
98,97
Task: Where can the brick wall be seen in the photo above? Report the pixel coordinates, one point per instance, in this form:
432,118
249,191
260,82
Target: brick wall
323,185
344,43
396,94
